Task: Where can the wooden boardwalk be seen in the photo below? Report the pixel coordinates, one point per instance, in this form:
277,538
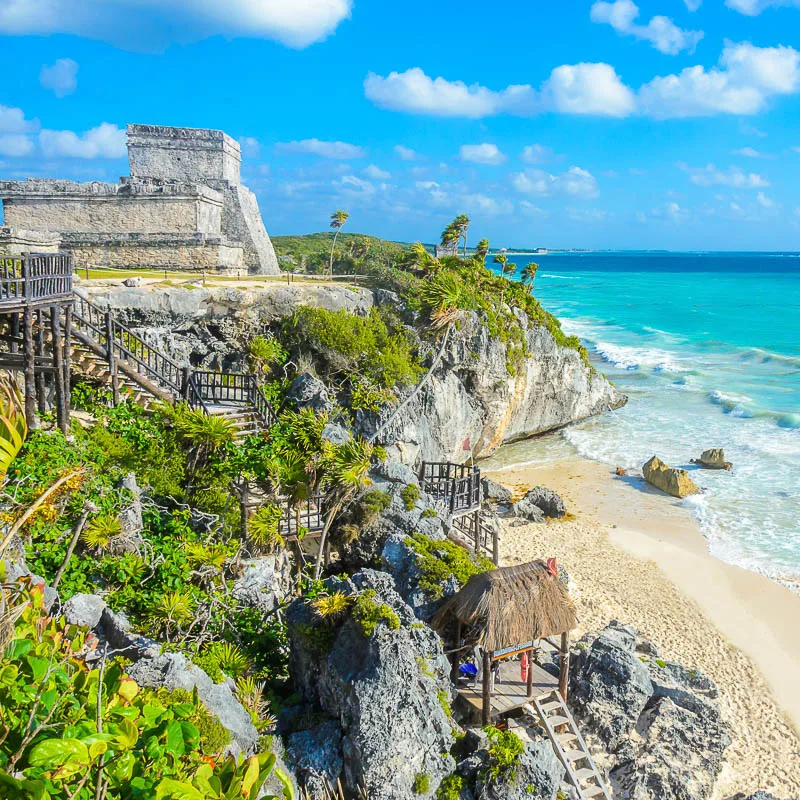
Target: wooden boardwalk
510,691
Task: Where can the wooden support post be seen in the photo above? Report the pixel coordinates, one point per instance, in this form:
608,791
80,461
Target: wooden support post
41,387
186,375
563,671
530,672
58,363
28,361
112,361
456,656
487,689
14,333
68,359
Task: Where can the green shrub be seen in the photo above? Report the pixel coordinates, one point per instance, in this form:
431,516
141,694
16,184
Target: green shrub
422,783
505,749
450,788
368,613
371,504
410,495
439,560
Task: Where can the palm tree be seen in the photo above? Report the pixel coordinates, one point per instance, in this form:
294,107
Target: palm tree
461,223
451,235
347,468
506,268
529,275
482,250
338,219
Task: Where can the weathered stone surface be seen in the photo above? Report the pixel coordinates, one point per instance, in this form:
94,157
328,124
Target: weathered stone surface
174,671
382,689
84,609
130,518
472,397
307,391
609,684
760,795
669,479
396,472
264,582
528,510
538,775
495,492
548,501
132,283
316,757
15,241
713,458
115,629
337,434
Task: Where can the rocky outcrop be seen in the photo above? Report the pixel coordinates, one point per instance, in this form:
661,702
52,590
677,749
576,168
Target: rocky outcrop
669,479
538,774
264,582
495,492
659,721
387,689
315,755
548,503
713,458
306,391
472,403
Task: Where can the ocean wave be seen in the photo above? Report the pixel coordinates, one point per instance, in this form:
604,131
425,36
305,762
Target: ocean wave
740,405
631,358
767,356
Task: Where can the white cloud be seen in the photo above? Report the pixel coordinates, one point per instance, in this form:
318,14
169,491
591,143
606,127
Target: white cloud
151,25
376,173
733,177
538,154
661,31
355,185
749,152
60,78
764,201
578,89
406,153
754,7
671,212
531,210
341,151
104,141
575,182
482,154
12,120
15,144
593,89
251,147
747,76
693,5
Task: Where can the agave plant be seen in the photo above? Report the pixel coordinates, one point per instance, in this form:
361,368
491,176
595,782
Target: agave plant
331,607
201,555
265,352
173,611
229,658
263,528
443,295
251,695
98,534
13,427
205,433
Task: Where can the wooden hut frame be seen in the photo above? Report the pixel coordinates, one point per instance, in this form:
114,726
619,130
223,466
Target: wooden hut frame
506,612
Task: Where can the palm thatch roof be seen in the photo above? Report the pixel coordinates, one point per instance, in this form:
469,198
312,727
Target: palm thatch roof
509,606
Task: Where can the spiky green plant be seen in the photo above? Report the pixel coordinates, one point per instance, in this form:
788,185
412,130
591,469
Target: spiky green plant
263,528
101,530
251,695
229,658
331,607
173,611
265,352
13,427
200,555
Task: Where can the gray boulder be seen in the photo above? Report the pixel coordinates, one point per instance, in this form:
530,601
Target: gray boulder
115,630
539,774
680,757
264,582
84,609
495,492
396,472
609,684
306,391
386,690
760,795
173,671
526,510
132,283
548,501
337,434
316,757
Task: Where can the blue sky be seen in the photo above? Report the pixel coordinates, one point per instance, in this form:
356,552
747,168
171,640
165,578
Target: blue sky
657,124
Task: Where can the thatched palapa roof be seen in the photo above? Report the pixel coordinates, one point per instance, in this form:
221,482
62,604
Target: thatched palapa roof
510,606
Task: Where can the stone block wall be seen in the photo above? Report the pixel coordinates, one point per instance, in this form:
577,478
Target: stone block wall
15,242
183,154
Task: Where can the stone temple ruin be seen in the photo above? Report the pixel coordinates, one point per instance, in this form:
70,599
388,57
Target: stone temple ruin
183,207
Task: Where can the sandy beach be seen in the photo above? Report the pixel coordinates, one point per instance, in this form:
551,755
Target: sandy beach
638,556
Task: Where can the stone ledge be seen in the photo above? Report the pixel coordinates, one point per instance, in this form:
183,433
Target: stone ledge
46,188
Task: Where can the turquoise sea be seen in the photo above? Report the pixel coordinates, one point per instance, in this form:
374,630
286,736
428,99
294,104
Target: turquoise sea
707,346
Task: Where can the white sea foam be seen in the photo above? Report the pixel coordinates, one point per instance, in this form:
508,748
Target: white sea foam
631,358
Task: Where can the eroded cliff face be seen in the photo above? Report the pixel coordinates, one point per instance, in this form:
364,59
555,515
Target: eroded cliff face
472,404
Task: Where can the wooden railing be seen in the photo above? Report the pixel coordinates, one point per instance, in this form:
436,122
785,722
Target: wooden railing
35,278
201,389
458,485
307,515
481,537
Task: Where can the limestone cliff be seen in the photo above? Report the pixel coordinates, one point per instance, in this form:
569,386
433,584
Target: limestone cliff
472,404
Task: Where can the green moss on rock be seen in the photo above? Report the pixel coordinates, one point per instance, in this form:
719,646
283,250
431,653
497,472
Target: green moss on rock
437,561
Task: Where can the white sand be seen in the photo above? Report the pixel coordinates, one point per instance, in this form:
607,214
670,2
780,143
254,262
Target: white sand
637,556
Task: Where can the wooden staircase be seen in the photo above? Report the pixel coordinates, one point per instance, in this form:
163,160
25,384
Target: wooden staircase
245,419
569,746
88,364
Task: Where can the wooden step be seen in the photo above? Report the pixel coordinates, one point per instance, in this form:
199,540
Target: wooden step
593,791
556,721
584,773
551,705
565,737
574,755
